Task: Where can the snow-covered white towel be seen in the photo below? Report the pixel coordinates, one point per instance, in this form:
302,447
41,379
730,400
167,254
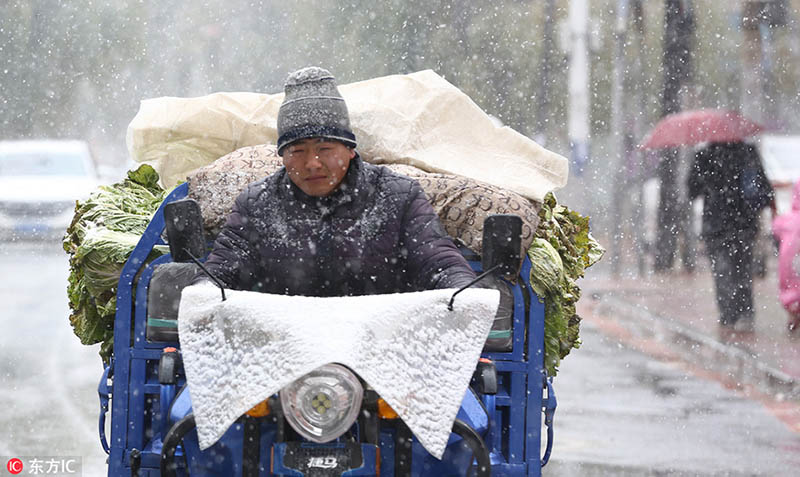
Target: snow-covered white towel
409,347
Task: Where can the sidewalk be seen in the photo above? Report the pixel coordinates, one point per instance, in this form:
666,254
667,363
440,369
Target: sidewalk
674,315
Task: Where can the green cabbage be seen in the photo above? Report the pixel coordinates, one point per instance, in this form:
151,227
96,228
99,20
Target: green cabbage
562,249
108,225
104,231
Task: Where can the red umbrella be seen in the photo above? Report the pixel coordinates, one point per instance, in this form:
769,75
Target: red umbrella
700,125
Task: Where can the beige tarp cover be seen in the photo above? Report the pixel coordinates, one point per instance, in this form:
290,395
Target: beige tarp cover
418,119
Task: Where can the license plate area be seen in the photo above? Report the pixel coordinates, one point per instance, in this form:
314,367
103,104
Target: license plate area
331,459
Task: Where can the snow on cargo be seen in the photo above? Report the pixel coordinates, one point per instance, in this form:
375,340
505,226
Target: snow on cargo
174,135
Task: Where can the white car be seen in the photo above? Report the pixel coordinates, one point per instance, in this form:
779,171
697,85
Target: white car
40,180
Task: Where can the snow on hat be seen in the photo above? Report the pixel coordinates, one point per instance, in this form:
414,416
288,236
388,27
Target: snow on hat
313,107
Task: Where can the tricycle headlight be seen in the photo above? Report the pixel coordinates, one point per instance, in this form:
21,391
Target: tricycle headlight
323,404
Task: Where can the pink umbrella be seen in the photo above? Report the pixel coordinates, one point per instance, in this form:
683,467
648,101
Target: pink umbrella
691,127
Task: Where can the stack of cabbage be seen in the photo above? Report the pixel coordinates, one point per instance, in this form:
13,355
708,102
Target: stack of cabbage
109,224
104,231
562,249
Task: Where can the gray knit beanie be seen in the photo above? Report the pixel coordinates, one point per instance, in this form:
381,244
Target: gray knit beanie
313,107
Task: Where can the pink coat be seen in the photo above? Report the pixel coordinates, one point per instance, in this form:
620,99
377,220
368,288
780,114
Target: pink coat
786,228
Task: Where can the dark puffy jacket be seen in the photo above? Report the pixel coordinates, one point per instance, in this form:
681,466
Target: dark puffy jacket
377,233
734,187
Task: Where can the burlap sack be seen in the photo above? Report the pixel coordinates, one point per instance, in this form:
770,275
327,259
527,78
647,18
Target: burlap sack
217,185
461,203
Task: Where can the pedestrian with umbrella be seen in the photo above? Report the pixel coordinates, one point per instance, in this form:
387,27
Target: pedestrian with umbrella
695,126
727,173
730,178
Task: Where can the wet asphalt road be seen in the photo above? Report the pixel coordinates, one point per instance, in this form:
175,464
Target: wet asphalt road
623,413
48,404
620,412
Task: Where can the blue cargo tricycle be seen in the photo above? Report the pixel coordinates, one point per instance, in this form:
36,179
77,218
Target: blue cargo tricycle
498,430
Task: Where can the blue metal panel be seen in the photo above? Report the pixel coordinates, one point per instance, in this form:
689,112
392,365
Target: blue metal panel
502,401
147,353
165,396
493,433
511,365
516,431
524,368
181,407
122,337
386,444
139,389
473,415
136,416
533,420
509,469
224,457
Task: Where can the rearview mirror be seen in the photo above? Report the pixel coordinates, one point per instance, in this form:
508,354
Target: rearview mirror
184,224
502,241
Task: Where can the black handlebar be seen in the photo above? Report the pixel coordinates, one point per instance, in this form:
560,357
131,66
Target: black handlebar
479,449
171,440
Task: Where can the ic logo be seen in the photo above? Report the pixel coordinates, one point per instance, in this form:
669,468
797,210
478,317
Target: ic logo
14,466
322,462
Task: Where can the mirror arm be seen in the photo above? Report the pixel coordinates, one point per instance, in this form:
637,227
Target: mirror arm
477,279
205,270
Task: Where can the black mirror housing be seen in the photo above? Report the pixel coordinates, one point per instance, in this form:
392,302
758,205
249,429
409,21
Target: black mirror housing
184,224
502,243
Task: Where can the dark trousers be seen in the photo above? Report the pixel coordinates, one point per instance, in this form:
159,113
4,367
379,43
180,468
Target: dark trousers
732,266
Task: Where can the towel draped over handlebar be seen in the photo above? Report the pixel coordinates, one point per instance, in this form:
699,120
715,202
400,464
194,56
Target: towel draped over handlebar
418,356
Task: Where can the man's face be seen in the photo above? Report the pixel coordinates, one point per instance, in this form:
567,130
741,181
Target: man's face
316,165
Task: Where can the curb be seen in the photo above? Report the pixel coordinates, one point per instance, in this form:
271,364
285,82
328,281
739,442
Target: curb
731,360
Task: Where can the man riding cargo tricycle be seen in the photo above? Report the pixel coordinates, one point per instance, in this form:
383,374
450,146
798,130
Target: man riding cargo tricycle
153,428
332,328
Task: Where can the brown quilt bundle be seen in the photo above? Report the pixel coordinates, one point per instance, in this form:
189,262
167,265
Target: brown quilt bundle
462,203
